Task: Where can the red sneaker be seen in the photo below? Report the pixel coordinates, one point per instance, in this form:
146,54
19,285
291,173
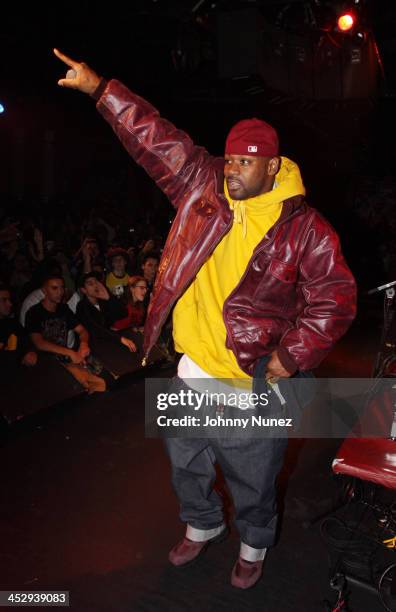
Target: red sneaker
186,551
245,574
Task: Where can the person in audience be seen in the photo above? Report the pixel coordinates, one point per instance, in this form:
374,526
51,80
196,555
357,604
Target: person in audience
10,247
13,337
49,323
34,238
136,311
117,280
47,268
99,309
9,232
88,256
149,267
49,265
147,247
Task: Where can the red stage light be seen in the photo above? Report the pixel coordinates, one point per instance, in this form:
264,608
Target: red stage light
345,22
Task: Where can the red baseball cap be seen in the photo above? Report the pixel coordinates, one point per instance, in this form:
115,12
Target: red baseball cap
252,137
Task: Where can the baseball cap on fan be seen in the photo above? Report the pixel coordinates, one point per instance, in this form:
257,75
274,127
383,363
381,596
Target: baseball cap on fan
252,137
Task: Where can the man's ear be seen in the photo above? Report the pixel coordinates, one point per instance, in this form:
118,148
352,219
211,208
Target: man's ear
83,290
273,166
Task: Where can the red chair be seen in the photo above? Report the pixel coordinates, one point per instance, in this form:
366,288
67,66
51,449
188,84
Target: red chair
363,538
369,459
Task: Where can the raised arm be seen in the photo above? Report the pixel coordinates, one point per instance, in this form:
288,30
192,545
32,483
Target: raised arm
168,155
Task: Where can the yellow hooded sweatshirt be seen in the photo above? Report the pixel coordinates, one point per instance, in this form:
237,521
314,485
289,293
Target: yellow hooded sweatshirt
198,326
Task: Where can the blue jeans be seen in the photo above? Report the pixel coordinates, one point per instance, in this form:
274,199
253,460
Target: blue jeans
250,468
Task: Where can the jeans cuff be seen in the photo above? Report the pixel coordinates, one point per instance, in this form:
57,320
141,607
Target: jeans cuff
201,535
252,554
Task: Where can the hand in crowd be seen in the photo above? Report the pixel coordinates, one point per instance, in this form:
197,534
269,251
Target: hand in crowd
129,344
86,250
30,359
84,350
77,357
101,291
38,238
148,246
79,76
36,247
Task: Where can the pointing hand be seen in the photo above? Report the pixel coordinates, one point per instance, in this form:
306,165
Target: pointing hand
79,76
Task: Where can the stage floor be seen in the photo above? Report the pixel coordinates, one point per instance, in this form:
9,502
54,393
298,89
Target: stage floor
88,507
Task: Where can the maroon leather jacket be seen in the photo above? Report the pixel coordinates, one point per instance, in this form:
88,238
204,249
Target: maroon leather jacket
297,294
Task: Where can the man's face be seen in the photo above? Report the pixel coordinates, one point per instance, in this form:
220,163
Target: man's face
150,268
118,265
54,290
248,176
5,304
91,288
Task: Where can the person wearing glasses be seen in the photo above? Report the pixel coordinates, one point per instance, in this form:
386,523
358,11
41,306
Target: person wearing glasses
136,312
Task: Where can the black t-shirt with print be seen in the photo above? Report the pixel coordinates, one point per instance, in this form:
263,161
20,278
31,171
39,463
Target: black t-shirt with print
53,326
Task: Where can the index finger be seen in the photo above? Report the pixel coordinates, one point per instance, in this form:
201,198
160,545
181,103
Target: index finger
67,60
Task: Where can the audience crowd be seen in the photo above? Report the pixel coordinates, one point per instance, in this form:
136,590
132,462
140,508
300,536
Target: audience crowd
76,280
76,286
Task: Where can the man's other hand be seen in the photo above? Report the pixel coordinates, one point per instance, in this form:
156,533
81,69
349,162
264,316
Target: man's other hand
79,76
275,369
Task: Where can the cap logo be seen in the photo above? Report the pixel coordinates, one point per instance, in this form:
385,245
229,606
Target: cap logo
252,137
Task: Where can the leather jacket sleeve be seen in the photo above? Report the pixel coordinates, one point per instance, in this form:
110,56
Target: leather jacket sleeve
167,154
329,290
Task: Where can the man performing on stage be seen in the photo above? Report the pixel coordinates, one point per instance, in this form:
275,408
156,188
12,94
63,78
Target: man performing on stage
251,270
